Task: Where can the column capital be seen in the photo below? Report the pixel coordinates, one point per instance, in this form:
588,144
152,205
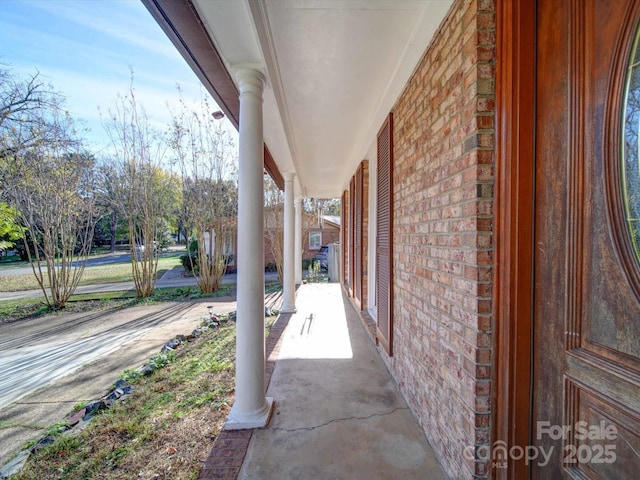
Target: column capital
288,177
250,81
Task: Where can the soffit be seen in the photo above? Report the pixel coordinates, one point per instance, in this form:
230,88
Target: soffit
334,70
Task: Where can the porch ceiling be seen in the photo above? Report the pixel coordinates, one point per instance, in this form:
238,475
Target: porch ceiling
334,69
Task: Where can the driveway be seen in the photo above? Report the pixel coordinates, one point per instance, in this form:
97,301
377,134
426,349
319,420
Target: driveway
37,351
49,364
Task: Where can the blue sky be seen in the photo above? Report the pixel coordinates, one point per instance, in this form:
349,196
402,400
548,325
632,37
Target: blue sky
86,50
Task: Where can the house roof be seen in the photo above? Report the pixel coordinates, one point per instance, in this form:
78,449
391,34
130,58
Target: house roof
334,70
335,219
311,217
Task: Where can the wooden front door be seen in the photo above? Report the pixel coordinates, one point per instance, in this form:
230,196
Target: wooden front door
586,295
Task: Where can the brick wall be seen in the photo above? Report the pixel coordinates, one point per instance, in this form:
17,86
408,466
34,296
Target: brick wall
330,234
443,189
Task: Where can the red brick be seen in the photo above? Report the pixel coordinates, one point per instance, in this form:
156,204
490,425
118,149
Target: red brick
444,142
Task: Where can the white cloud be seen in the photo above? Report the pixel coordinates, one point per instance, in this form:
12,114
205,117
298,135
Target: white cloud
123,20
90,98
86,50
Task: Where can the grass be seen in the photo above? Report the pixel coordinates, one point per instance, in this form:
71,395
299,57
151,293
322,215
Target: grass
11,310
14,310
165,429
119,272
13,261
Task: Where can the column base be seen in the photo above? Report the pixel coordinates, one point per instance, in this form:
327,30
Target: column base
289,309
258,421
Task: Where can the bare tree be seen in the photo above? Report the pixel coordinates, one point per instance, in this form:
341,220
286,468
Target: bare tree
204,153
274,223
145,193
22,107
313,211
322,206
49,182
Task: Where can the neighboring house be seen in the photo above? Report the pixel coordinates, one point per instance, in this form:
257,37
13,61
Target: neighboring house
229,250
316,232
486,152
320,233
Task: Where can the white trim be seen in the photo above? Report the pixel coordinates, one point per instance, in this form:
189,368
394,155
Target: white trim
298,240
371,264
256,420
288,278
251,408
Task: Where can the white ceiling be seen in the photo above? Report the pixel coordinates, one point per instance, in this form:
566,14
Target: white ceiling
334,70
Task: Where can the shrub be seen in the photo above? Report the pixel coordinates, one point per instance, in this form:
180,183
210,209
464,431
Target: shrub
190,263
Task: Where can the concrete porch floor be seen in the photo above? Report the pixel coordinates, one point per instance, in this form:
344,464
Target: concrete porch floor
338,413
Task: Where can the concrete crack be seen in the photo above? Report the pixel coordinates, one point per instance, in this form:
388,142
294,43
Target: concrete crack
335,420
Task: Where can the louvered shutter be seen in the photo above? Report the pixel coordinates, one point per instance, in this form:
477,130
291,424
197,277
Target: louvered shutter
352,235
384,236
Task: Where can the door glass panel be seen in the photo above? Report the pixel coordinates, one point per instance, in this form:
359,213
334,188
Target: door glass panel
630,167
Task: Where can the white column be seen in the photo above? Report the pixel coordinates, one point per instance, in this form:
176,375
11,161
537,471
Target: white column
251,408
298,241
288,280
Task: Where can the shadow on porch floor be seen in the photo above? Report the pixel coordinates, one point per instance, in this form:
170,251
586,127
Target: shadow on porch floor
338,413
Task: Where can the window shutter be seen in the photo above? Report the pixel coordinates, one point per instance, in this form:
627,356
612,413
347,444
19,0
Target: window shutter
352,236
384,236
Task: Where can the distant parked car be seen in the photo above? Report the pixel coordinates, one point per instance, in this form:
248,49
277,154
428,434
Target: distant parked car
322,257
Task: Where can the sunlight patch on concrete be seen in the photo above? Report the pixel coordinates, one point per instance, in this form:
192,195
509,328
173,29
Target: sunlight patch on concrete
318,333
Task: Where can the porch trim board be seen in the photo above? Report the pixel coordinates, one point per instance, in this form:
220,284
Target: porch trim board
298,241
289,285
514,207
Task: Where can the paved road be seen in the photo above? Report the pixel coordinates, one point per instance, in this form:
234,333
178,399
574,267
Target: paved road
106,259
